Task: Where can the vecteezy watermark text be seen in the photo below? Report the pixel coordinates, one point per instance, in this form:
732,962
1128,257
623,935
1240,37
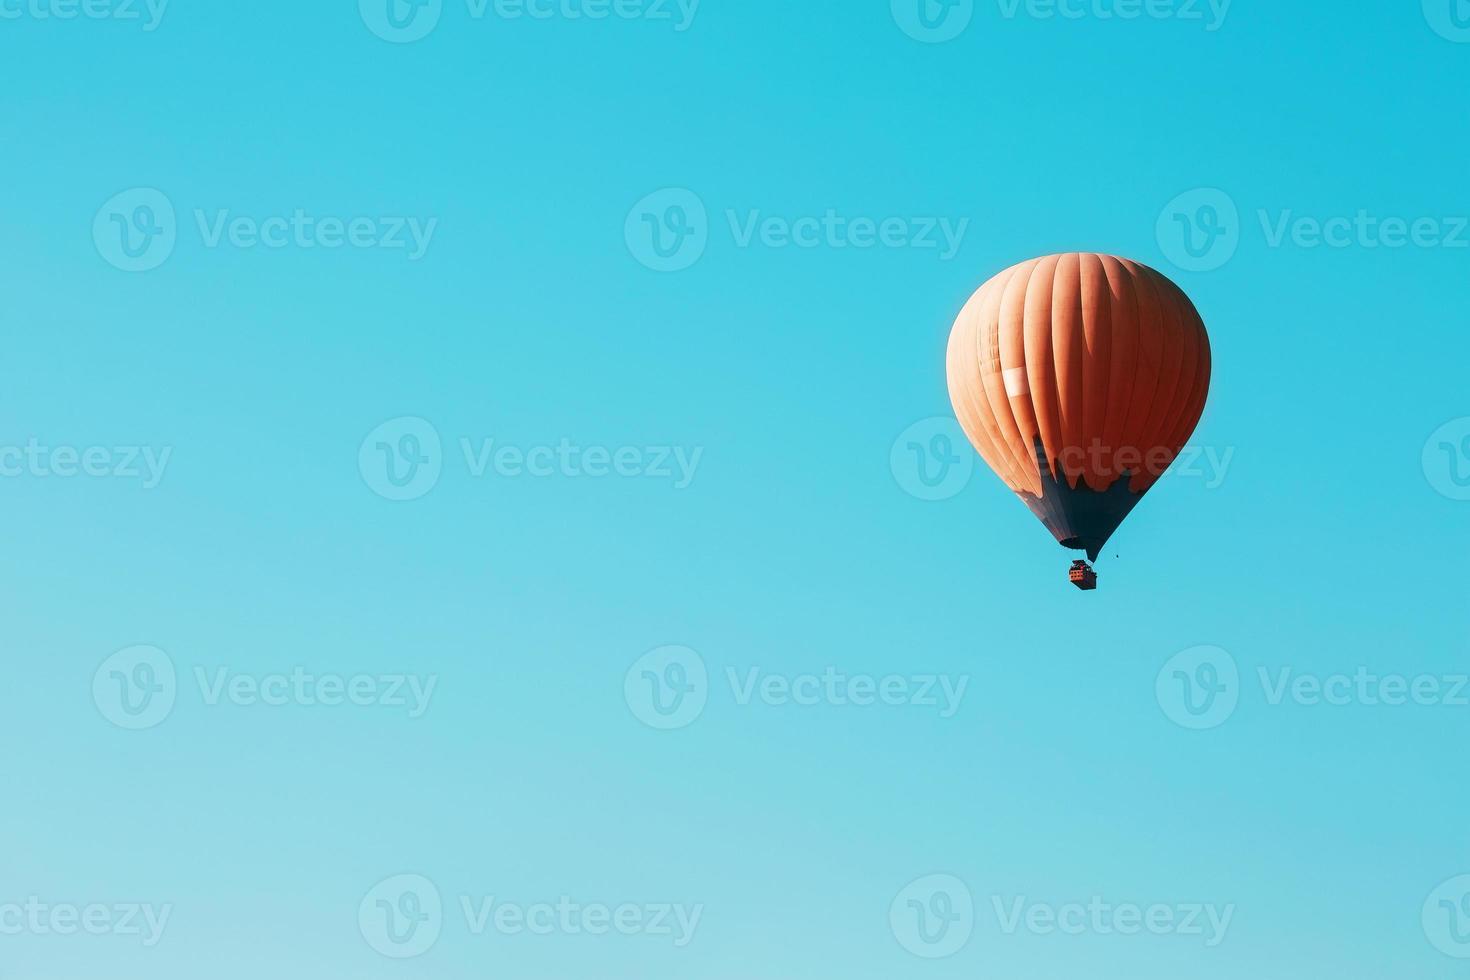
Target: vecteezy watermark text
306,231
403,458
567,459
1099,917
838,689
306,689
137,688
1201,229
567,917
406,21
1201,687
1364,687
937,21
143,463
932,460
1210,13
837,231
934,916
138,230
403,916
669,230
668,687
36,917
147,12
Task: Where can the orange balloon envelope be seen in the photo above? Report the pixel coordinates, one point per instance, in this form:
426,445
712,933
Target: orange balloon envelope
1078,378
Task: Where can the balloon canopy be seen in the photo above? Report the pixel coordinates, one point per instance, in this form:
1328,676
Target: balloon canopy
1078,378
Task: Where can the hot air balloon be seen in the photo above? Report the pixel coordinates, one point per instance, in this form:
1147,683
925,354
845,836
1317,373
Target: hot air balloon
1078,378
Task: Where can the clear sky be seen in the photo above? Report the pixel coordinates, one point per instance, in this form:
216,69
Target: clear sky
471,443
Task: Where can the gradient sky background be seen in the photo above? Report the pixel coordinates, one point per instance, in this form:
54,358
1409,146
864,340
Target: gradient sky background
1327,546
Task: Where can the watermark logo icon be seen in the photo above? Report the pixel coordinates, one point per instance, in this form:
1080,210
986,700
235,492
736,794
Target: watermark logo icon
401,21
1446,917
667,688
136,230
1199,230
1449,18
136,687
933,917
931,459
402,916
1199,688
401,459
1446,459
933,21
668,230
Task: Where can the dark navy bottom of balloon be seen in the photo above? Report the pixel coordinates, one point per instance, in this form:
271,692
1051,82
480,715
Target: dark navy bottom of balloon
1082,518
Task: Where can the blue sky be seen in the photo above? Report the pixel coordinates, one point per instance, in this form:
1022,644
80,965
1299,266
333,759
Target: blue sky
460,457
